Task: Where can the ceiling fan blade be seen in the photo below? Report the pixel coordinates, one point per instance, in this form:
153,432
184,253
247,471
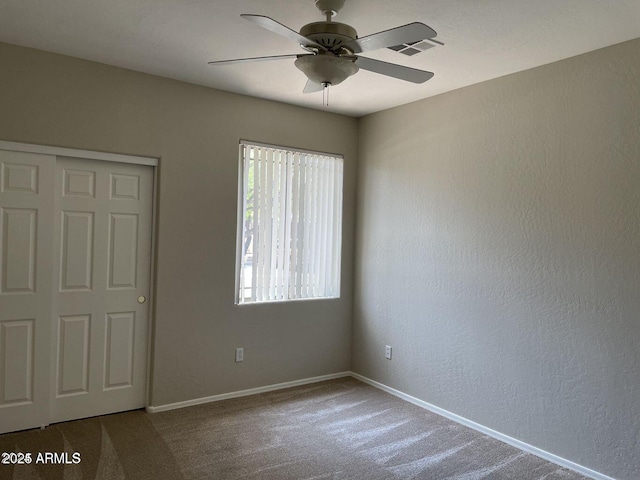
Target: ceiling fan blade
257,59
275,27
413,32
312,87
393,70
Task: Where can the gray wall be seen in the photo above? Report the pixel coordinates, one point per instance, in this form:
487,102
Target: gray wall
55,100
498,253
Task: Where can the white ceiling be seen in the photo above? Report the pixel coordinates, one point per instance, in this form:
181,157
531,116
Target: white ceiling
484,39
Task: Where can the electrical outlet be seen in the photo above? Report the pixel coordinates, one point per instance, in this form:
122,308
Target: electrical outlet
239,354
387,352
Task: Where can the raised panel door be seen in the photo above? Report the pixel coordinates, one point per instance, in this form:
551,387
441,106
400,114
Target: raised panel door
102,237
26,257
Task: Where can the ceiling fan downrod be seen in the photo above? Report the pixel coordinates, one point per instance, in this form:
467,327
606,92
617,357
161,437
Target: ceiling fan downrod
329,8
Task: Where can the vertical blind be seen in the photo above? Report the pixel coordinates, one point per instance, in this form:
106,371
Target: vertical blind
291,224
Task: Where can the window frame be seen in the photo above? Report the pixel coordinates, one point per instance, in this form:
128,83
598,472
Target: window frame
241,208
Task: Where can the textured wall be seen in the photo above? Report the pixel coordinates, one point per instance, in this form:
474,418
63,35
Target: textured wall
55,100
498,252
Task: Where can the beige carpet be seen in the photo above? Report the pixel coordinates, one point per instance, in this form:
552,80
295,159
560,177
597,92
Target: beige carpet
341,429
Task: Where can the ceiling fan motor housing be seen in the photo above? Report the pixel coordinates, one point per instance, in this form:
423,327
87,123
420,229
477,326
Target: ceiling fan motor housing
329,34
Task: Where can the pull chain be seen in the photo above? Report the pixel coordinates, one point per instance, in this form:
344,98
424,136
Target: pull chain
325,93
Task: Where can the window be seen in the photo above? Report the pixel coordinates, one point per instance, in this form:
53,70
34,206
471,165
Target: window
289,224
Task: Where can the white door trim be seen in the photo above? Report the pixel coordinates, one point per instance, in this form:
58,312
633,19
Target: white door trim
72,152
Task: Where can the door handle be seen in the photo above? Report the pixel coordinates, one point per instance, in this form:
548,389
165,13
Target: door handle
142,299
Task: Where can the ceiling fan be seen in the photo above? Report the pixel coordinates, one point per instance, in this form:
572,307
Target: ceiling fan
332,48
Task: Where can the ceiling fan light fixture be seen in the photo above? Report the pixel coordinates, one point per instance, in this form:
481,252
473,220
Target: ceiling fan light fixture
328,69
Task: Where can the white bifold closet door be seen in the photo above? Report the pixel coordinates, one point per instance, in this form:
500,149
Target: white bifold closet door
78,347
102,245
26,236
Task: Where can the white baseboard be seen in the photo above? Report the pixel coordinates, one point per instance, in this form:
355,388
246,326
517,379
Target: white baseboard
244,393
487,431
